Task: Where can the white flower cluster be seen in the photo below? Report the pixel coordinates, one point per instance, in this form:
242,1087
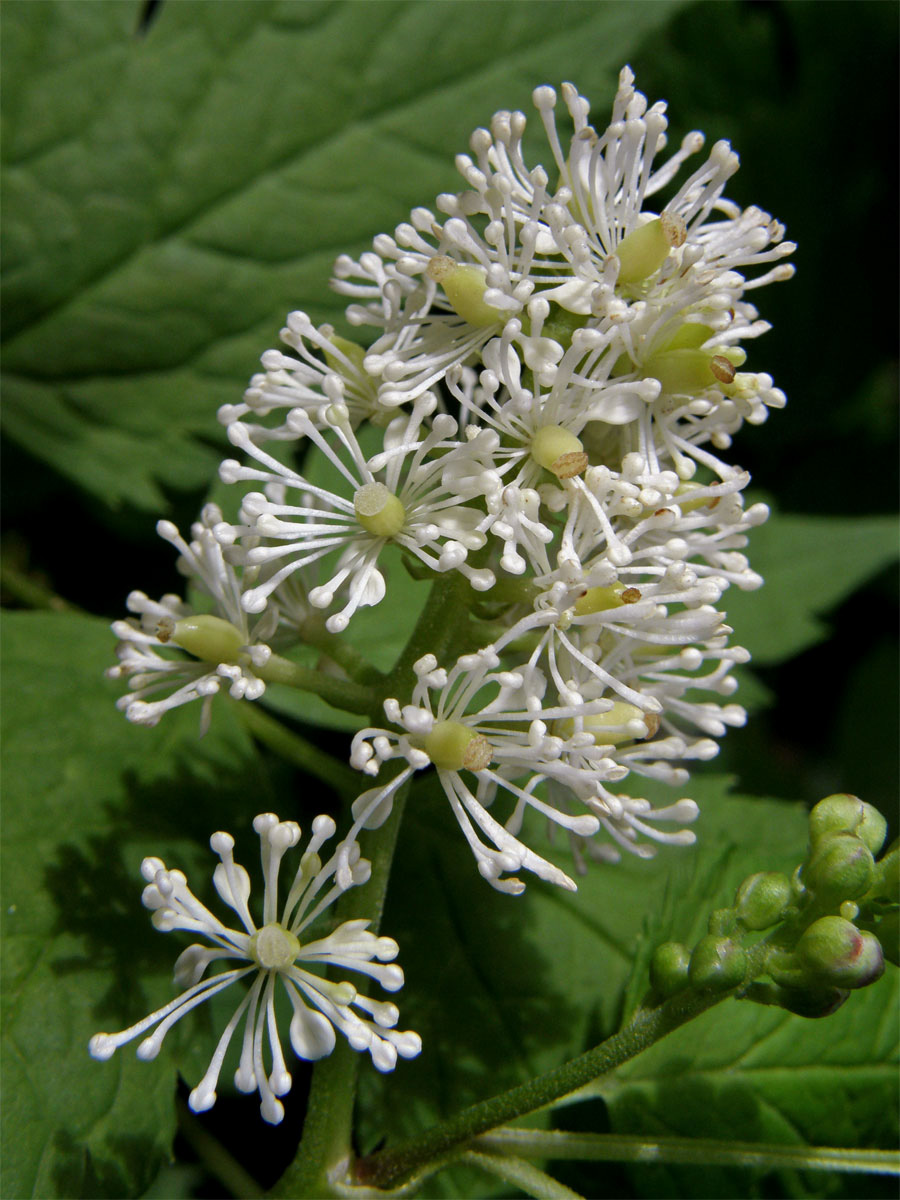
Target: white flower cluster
538,425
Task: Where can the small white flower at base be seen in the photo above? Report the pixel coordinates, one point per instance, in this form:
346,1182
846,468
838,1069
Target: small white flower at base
269,952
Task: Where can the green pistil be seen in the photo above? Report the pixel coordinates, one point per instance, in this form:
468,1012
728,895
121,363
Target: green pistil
378,510
599,724
464,286
274,947
599,599
452,746
209,638
351,350
646,248
559,451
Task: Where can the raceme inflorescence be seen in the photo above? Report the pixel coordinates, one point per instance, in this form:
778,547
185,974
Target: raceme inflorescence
537,417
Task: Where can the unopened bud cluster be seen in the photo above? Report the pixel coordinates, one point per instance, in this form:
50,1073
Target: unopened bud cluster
552,366
828,929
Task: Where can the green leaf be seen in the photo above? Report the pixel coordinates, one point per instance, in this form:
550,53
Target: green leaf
809,564
170,196
763,1075
502,989
86,796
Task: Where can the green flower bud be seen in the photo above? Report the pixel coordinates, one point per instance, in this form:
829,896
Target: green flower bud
669,968
835,952
841,868
787,970
805,1002
761,899
717,964
843,813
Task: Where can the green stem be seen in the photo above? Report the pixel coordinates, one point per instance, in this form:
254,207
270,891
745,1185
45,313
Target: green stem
340,693
523,1175
608,1147
323,1159
436,630
297,750
215,1158
340,651
389,1166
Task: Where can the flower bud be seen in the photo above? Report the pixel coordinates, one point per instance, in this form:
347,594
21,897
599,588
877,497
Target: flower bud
841,868
843,813
761,899
717,964
836,952
669,968
805,1002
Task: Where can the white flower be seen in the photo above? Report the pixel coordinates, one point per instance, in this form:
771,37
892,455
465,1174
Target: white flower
310,382
485,723
225,646
275,950
691,249
397,496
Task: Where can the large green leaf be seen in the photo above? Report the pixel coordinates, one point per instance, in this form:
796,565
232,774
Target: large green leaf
170,196
809,564
86,796
742,1072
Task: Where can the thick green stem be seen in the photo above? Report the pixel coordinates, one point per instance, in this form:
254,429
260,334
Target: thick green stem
390,1166
340,651
611,1147
323,1160
341,693
297,750
436,631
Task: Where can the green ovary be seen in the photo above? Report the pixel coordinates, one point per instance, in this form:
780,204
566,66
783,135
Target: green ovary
464,286
274,947
209,638
619,715
646,248
598,599
378,510
559,451
452,746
